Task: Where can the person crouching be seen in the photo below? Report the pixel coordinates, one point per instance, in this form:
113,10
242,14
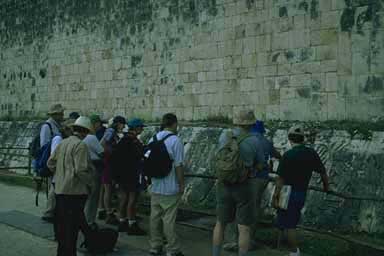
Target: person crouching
73,170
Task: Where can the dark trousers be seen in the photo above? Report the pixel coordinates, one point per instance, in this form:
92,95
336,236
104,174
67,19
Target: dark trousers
69,220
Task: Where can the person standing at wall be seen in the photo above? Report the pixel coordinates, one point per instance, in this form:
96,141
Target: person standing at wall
96,152
261,178
166,192
126,164
73,170
108,141
295,169
98,126
235,199
48,131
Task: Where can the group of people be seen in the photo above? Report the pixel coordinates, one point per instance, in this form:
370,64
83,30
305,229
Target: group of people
88,159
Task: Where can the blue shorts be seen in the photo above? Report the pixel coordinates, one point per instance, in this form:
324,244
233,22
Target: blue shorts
288,219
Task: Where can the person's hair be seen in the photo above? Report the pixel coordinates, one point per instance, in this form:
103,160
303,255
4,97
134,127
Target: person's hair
80,129
169,119
296,138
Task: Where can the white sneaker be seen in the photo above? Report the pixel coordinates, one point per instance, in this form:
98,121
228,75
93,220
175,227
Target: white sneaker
297,253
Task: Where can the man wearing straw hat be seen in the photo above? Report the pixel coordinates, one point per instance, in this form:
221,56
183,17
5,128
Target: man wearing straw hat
74,177
234,201
49,130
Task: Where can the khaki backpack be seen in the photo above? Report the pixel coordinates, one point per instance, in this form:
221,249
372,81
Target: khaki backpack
229,167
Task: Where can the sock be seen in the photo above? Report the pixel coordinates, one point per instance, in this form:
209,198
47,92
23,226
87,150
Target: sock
216,250
101,210
131,222
123,219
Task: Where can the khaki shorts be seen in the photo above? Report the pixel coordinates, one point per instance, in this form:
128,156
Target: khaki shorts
234,203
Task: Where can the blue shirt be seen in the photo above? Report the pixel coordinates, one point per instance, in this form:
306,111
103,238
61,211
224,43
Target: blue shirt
268,151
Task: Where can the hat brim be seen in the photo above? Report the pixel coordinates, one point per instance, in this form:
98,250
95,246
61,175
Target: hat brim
243,122
76,125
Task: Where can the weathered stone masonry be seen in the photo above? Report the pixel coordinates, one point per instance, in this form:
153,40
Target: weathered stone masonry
203,59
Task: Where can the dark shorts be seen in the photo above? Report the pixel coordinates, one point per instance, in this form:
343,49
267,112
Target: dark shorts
234,203
288,219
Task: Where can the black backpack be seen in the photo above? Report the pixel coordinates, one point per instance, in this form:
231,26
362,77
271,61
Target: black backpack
34,146
100,240
157,162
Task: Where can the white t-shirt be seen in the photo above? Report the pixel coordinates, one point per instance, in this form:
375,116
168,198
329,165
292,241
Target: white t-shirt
94,147
169,185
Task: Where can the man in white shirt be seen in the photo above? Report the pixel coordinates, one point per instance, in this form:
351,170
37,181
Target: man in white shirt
167,192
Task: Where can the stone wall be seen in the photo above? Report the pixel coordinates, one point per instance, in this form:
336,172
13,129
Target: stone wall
289,60
354,165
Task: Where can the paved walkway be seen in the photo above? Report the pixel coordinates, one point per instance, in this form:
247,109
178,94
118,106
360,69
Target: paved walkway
17,242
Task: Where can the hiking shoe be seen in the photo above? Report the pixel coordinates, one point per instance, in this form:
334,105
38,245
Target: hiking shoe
112,220
102,215
156,252
231,247
48,219
135,230
123,226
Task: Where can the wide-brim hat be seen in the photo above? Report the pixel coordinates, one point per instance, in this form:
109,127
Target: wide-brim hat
244,117
56,109
297,130
83,122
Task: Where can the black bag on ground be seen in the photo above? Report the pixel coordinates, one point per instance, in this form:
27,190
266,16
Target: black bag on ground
157,162
101,240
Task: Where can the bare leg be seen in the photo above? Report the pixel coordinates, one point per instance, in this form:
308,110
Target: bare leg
218,237
108,197
244,239
123,205
292,240
131,209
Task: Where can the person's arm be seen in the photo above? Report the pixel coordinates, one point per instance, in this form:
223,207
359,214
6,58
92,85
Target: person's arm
276,195
51,163
45,134
178,162
275,154
281,171
325,180
98,147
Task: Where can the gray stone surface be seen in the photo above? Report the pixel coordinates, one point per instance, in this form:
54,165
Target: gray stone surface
354,165
200,59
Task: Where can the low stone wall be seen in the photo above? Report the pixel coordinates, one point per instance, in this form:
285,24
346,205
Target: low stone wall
355,167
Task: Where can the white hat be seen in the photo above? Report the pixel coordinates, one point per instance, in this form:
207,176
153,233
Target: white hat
83,122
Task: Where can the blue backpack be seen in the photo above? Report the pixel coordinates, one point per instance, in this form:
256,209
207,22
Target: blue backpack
42,156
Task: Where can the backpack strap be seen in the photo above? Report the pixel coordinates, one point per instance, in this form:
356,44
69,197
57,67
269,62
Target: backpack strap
242,137
166,137
50,128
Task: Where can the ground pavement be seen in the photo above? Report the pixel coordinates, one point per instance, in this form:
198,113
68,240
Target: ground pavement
19,203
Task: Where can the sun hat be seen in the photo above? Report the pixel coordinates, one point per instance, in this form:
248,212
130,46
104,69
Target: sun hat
56,109
244,117
297,130
136,122
83,122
